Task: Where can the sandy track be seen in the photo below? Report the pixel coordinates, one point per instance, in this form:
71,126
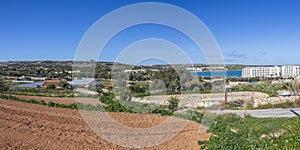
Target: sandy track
30,126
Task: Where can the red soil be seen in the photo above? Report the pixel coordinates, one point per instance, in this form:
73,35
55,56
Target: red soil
30,126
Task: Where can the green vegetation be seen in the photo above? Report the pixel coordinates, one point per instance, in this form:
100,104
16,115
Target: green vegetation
294,86
191,115
233,132
269,88
287,104
46,92
139,76
3,86
255,79
40,92
41,102
37,68
173,103
52,104
228,131
133,107
141,95
139,87
109,105
234,67
51,87
173,79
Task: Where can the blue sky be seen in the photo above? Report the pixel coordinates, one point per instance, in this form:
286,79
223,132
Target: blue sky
247,31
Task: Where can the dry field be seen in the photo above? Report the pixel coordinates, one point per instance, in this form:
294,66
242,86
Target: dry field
194,100
30,126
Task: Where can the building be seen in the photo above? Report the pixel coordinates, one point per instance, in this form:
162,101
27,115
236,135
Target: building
287,71
193,69
83,82
135,70
41,78
290,71
270,72
209,68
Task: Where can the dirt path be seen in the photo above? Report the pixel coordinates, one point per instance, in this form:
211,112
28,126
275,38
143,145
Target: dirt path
30,126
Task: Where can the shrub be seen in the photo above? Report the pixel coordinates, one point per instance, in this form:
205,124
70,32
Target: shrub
173,103
141,95
51,86
51,104
248,105
162,112
116,107
3,87
43,102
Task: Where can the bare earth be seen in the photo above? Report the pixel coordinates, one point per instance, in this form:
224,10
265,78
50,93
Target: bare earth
58,99
30,126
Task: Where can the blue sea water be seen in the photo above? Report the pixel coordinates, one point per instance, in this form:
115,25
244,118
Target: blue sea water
229,73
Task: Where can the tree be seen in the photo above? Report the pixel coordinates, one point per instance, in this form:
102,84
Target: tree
137,89
63,83
207,86
169,77
157,87
173,103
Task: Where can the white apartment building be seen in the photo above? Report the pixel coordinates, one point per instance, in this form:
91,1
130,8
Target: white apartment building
290,71
249,72
283,71
193,69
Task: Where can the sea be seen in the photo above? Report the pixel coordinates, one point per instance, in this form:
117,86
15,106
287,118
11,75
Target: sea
228,73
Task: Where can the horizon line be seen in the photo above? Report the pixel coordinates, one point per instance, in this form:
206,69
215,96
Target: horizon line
6,61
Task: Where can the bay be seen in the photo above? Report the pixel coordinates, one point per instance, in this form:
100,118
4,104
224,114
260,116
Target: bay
228,73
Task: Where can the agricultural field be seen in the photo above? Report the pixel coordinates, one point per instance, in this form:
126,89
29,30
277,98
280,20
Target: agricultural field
60,100
53,127
59,128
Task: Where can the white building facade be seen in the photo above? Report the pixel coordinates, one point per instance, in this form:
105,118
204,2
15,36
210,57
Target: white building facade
270,72
290,71
287,71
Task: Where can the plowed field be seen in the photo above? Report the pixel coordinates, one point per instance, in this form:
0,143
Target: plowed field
31,126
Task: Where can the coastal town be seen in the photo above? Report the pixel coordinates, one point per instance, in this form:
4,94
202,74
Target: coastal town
60,76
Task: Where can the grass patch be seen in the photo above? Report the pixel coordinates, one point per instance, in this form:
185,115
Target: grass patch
233,132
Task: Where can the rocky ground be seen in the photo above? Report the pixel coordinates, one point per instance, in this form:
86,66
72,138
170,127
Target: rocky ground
206,100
